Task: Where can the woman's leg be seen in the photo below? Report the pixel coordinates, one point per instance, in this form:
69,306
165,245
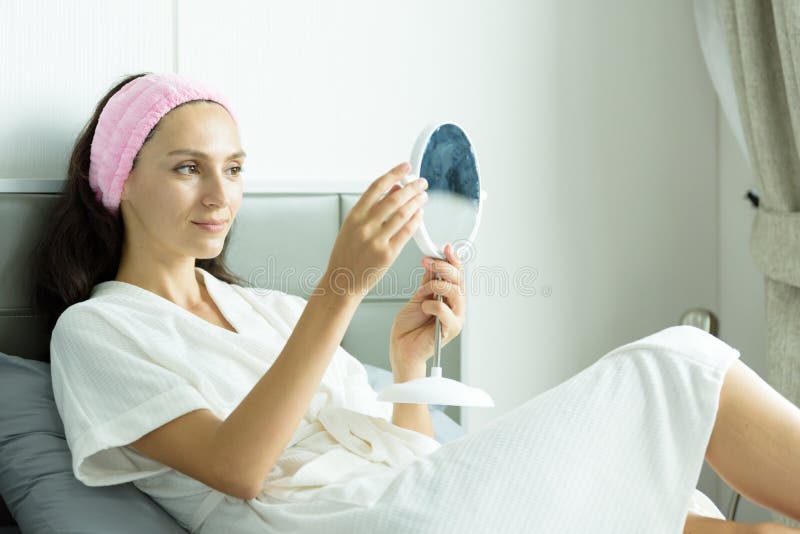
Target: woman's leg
755,442
698,524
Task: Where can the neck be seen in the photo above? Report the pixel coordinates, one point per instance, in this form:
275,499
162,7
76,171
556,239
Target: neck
178,281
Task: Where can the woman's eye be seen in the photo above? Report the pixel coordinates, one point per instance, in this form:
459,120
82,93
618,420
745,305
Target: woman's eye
185,166
235,171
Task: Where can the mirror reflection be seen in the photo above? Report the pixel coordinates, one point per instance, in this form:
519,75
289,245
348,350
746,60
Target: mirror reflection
448,164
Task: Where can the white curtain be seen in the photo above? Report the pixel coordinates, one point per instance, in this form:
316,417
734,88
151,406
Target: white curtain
714,43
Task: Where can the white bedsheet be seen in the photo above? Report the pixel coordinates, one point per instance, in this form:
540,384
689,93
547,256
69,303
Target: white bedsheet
700,504
615,449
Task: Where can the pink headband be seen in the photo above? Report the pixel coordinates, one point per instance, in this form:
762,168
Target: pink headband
125,121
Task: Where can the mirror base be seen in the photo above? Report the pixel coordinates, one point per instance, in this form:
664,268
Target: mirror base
435,389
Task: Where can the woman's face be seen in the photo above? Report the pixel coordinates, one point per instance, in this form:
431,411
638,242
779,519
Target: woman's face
170,190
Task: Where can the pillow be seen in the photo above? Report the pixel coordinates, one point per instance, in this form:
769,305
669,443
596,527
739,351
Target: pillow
36,478
444,428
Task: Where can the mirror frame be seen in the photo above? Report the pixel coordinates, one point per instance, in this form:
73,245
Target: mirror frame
421,236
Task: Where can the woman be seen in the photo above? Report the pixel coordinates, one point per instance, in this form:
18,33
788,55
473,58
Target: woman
235,409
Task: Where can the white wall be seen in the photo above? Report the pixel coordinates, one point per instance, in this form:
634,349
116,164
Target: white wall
595,125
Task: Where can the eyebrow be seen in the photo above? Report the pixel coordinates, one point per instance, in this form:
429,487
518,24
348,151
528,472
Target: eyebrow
198,154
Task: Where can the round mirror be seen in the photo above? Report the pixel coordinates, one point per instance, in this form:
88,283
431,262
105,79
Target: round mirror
444,156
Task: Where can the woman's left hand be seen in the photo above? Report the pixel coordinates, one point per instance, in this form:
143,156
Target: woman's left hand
412,335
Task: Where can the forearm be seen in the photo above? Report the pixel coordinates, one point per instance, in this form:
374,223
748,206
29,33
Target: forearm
254,435
411,416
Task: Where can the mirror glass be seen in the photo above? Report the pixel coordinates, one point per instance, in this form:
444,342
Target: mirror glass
449,165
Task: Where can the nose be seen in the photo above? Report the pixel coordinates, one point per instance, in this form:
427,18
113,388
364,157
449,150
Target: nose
217,189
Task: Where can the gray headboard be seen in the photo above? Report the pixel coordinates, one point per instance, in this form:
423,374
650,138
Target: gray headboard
280,239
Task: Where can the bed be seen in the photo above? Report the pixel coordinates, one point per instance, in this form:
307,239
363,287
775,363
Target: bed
282,238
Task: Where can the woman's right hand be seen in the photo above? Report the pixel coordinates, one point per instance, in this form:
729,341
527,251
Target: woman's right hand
374,232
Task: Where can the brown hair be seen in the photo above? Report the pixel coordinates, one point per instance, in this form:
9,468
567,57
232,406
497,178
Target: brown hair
82,243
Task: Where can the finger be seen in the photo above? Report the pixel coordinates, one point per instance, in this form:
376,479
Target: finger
379,186
402,214
394,188
455,261
452,256
384,209
451,293
450,323
447,270
401,237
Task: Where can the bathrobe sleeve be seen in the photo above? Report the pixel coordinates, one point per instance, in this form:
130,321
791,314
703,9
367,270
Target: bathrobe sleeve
283,310
358,392
361,397
109,394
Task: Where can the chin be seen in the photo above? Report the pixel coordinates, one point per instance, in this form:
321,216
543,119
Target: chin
207,253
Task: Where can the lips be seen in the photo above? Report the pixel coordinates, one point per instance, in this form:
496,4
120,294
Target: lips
212,221
211,227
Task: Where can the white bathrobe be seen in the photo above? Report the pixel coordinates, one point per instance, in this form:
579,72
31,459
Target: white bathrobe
617,448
